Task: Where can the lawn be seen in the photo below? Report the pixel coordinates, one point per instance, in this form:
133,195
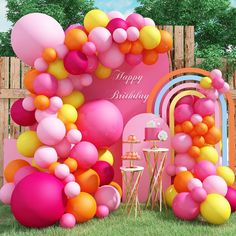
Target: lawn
150,223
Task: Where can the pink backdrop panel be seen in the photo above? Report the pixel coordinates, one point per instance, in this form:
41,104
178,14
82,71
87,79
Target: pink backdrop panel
128,88
136,126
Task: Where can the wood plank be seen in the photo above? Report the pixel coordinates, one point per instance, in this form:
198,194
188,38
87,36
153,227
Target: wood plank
179,47
189,46
13,93
24,69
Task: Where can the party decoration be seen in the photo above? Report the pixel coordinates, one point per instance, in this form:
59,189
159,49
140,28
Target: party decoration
231,197
227,174
6,193
170,195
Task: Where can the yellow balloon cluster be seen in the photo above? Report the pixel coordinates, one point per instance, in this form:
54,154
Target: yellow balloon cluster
208,153
205,82
58,70
227,174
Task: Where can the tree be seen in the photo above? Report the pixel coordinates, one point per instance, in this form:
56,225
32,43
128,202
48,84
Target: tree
66,12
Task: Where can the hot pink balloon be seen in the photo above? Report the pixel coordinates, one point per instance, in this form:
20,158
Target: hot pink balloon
23,172
65,87
204,169
231,197
170,170
136,20
215,184
133,59
132,33
63,148
184,160
181,142
218,83
198,194
6,193
195,119
117,23
204,107
67,221
34,32
193,183
102,211
119,35
89,48
189,99
40,64
183,113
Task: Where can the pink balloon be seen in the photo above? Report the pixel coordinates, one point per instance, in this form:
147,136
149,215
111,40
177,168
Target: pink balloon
108,196
89,48
40,64
74,136
117,23
23,172
103,131
45,156
62,171
55,104
65,87
86,80
132,33
198,194
218,83
115,14
51,131
38,200
133,59
113,58
181,142
74,26
149,21
184,160
75,79
85,154
101,37
193,183
34,127
136,20
195,119
45,84
225,88
6,193
92,64
63,148
212,94
216,74
67,221
215,184
75,62
179,169
231,197
119,35
42,114
72,189
189,99
69,178
204,107
204,169
185,207
34,32
61,50
170,170
28,104
183,113
102,211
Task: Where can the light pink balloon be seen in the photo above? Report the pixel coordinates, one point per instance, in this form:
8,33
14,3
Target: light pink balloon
86,80
149,21
23,172
67,221
193,183
181,142
42,114
101,37
132,33
225,88
119,35
63,148
184,160
40,64
62,171
180,169
195,119
28,104
69,178
74,136
113,58
89,48
74,26
133,59
171,170
75,79
203,169
198,194
34,32
216,74
65,87
61,50
45,156
115,14
6,193
72,189
51,131
212,94
92,64
136,20
102,211
55,104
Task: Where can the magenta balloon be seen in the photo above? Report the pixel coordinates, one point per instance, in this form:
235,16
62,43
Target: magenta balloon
136,20
181,142
231,197
20,116
96,127
133,59
183,113
170,170
85,153
75,62
117,23
189,99
34,32
38,200
92,64
23,172
185,207
198,194
204,107
184,160
204,169
218,83
45,84
63,148
105,172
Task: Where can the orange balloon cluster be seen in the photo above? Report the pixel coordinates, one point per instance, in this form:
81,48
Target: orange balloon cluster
181,181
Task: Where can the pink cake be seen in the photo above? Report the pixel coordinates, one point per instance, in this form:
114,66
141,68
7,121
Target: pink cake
152,133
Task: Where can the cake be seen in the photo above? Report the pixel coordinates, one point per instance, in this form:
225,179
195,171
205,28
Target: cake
152,130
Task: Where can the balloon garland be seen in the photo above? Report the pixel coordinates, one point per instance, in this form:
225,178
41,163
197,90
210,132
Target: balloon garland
69,178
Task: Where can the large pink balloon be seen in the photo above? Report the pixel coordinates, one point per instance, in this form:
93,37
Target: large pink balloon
183,113
34,32
204,107
184,160
38,200
181,142
189,99
204,169
100,123
215,184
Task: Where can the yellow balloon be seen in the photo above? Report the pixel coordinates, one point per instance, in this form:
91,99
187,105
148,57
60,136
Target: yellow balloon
58,70
103,72
205,82
215,209
36,166
226,173
150,37
27,143
208,153
170,195
76,99
106,155
95,18
67,114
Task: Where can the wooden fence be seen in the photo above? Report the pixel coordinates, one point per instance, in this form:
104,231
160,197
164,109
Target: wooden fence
12,71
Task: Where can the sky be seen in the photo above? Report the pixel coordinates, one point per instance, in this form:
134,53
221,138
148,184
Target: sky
124,6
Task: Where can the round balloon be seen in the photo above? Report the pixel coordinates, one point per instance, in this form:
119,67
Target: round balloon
170,195
231,197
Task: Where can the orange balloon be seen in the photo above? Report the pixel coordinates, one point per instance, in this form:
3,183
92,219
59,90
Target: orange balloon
53,166
209,121
213,136
49,55
201,128
136,48
125,47
193,133
29,78
178,129
181,181
72,164
187,126
75,39
83,207
194,152
198,141
41,102
70,126
166,42
88,180
117,186
150,57
12,167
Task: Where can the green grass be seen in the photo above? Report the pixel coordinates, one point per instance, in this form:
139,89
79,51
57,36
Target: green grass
150,223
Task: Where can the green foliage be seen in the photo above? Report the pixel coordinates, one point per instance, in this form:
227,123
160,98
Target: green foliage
5,44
